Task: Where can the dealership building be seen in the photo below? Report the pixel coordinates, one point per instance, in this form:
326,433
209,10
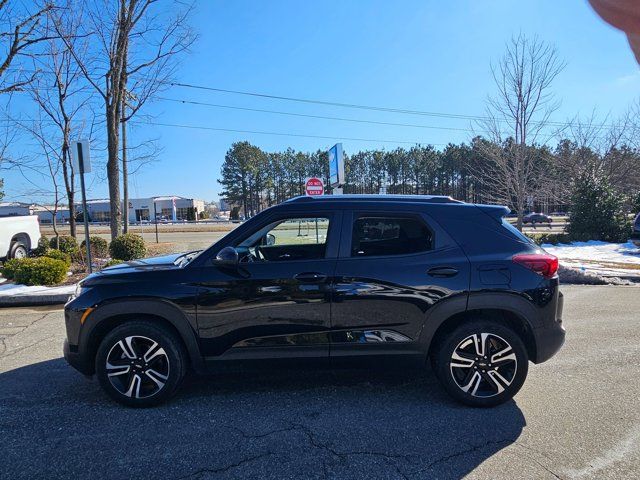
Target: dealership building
172,208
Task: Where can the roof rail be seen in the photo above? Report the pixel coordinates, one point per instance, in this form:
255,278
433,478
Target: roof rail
375,198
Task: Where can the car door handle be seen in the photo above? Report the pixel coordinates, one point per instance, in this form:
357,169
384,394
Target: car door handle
441,272
310,277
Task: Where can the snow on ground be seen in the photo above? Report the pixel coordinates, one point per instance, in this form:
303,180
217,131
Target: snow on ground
11,289
602,258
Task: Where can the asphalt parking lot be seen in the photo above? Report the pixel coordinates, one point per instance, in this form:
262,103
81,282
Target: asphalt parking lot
578,416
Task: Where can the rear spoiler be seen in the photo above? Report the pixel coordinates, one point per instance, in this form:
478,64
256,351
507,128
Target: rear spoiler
497,212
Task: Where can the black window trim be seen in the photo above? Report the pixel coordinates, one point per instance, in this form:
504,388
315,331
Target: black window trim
352,215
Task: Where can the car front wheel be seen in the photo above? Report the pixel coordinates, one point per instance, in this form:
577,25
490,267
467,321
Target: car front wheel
140,364
482,364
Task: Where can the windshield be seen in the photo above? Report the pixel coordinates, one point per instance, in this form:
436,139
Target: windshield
185,259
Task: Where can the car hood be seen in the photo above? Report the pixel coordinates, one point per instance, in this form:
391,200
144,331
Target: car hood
162,262
130,271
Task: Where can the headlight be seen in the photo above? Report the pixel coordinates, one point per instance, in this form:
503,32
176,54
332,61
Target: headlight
80,290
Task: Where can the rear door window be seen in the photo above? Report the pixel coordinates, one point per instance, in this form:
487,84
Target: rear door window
389,235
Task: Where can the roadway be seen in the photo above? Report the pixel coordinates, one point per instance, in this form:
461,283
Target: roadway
577,416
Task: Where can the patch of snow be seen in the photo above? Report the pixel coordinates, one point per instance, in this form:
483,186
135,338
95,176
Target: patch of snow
600,258
12,289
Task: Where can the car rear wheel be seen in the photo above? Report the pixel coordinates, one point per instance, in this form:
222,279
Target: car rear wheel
482,364
18,250
140,364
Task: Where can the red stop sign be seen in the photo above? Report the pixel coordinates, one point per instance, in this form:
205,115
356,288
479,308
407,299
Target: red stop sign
314,186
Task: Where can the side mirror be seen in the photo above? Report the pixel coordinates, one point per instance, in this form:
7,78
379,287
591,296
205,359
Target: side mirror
227,257
271,239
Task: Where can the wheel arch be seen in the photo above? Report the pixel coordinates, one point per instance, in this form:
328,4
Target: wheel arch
108,316
22,238
507,309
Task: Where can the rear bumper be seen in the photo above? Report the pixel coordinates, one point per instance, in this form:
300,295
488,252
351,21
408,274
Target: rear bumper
76,360
550,338
548,342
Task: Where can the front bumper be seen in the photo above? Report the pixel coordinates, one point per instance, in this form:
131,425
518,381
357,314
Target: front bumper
76,360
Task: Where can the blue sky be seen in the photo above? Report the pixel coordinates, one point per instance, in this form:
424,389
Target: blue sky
413,54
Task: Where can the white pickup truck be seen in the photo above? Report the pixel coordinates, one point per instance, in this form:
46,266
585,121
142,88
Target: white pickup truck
18,235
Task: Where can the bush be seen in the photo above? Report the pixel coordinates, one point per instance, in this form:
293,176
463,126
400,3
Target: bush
552,238
40,271
66,244
9,268
112,262
99,246
636,204
43,246
128,246
58,255
597,212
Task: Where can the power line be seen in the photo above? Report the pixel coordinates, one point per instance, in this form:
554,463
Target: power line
282,134
342,119
333,104
454,116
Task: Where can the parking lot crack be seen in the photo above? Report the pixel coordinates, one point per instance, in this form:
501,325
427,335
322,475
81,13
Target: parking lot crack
536,461
467,451
215,471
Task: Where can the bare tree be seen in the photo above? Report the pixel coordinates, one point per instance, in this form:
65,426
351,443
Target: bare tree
20,30
62,94
517,117
137,43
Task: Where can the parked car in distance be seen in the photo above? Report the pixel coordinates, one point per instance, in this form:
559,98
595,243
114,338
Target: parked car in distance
534,218
18,235
635,234
356,279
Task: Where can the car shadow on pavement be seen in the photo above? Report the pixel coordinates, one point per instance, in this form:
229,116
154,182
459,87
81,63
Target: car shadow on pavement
294,423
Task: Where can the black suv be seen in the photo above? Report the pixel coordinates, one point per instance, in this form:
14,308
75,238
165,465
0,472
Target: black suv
336,278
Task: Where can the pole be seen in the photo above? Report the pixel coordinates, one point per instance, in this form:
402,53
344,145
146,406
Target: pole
155,215
85,214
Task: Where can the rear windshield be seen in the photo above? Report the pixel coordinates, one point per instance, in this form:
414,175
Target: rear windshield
516,233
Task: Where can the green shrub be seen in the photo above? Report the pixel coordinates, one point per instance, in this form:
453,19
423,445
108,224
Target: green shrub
112,262
597,212
58,255
128,246
40,271
9,268
43,246
99,246
552,238
66,244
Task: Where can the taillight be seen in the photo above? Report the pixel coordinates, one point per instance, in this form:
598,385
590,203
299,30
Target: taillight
541,263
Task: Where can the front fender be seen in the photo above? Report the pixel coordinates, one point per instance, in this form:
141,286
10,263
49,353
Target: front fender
100,319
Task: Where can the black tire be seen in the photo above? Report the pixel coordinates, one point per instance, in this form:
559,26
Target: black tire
168,367
482,389
18,250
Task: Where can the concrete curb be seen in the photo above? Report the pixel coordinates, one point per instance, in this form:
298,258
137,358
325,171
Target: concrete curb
33,300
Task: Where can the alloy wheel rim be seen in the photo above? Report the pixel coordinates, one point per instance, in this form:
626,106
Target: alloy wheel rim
20,253
137,367
483,365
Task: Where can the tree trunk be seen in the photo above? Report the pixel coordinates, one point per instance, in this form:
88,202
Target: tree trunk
113,173
125,179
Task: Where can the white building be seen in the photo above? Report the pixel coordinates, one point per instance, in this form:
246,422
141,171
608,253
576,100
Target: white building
169,208
172,208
